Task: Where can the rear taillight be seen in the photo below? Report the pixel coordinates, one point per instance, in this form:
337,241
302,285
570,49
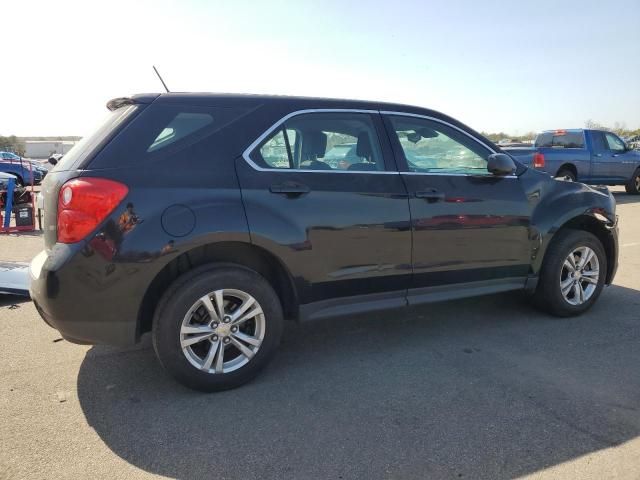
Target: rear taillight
538,160
85,202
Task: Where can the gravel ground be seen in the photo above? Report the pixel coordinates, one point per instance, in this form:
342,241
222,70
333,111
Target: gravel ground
480,388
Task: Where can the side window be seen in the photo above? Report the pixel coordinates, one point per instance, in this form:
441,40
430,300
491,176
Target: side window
614,143
278,151
432,147
323,141
183,124
160,132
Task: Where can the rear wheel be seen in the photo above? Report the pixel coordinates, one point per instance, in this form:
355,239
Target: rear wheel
573,274
217,327
633,186
566,175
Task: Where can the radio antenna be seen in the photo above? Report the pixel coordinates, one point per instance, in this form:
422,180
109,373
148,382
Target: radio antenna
158,73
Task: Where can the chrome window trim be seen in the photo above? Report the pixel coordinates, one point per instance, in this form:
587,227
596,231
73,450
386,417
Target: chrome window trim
270,130
489,175
439,120
427,117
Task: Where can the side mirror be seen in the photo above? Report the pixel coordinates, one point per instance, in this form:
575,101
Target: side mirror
501,164
53,161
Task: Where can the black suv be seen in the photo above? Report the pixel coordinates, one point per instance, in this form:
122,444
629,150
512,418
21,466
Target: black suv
208,219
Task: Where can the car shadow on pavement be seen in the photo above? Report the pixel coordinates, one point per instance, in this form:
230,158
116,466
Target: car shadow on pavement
479,388
12,301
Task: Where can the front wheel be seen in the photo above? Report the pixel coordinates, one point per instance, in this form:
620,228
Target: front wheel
566,175
572,275
633,185
217,327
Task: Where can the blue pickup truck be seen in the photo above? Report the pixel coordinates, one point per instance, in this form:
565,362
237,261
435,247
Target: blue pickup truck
25,171
588,156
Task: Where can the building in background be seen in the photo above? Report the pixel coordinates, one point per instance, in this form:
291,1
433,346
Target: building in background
46,148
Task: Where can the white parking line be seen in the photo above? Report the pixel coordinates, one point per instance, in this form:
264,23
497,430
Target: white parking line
631,244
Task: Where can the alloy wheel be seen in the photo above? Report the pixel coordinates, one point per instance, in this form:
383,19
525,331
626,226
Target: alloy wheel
579,275
222,331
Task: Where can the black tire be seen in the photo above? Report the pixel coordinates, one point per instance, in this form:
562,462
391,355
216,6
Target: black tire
633,186
183,294
566,174
548,295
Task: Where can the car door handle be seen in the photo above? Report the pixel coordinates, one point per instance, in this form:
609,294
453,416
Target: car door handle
597,155
289,188
431,195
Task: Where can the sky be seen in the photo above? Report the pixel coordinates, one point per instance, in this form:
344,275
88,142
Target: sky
495,65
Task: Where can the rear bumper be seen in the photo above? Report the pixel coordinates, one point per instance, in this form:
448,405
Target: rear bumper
83,297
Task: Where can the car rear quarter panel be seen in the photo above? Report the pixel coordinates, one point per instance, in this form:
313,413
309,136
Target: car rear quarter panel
106,276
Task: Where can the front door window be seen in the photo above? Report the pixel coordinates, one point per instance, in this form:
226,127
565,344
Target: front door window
431,147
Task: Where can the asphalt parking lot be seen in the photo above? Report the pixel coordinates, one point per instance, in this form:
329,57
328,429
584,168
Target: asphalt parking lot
480,388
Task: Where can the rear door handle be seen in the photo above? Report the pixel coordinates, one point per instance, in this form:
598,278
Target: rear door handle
289,188
431,195
597,155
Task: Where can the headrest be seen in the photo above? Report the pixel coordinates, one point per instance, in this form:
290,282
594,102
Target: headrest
314,145
364,148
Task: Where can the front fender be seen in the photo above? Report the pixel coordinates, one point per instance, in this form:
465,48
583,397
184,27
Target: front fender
564,204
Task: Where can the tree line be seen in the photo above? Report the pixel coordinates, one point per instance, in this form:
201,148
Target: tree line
619,128
12,144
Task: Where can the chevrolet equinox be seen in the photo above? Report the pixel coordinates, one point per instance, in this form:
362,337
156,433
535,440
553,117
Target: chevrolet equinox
208,219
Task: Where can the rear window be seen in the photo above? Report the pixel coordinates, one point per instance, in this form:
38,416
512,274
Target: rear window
560,139
88,143
166,130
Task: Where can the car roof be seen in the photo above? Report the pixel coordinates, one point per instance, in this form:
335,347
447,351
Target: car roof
287,104
299,103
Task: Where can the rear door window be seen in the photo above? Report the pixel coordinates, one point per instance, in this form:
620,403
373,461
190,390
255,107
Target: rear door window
340,141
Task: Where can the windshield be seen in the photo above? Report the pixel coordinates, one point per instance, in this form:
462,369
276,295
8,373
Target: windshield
86,145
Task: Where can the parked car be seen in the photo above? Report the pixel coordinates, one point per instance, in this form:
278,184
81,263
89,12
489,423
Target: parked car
633,142
25,171
211,257
589,156
4,180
